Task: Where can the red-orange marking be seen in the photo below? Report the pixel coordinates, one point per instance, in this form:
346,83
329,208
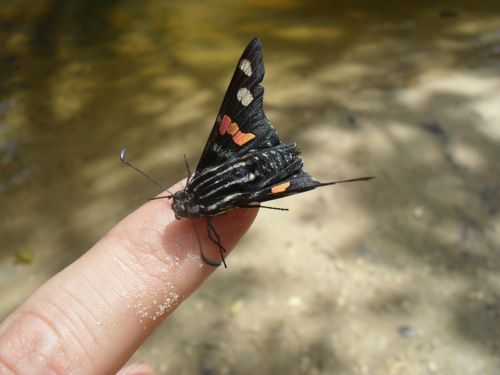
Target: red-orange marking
226,120
280,188
232,128
241,138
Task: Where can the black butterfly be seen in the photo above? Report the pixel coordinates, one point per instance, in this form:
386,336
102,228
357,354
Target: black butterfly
244,162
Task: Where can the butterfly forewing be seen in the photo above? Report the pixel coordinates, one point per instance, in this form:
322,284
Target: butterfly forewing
241,123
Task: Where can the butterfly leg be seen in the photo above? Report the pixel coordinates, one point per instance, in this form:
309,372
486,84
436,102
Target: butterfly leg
202,254
260,206
215,238
188,169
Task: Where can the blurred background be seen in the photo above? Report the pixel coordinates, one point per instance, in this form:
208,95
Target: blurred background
399,275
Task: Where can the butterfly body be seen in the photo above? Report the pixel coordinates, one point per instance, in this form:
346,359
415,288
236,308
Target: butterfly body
239,181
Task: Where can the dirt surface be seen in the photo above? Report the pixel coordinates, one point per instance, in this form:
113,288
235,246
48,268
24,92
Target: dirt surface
399,275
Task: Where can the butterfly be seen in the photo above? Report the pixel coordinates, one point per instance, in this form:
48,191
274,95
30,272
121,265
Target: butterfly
244,162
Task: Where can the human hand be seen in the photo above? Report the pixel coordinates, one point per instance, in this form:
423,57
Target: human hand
93,315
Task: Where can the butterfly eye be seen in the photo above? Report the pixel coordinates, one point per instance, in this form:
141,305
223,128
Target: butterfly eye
194,211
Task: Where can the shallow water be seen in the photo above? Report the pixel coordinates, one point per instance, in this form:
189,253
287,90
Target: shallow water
405,269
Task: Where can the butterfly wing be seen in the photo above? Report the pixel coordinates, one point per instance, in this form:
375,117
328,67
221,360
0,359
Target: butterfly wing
298,183
295,184
241,123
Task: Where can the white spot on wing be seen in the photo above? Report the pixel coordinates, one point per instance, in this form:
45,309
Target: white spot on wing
246,67
244,96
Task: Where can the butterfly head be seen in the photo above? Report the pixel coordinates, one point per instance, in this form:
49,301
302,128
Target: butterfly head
183,205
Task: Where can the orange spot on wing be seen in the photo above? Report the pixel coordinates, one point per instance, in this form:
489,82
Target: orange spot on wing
280,188
232,128
226,120
241,138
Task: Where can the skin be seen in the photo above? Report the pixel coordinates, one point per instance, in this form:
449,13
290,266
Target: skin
93,315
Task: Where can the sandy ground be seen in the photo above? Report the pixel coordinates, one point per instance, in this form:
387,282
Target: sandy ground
399,275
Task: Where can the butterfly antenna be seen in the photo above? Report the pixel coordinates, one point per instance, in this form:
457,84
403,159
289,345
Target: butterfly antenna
123,158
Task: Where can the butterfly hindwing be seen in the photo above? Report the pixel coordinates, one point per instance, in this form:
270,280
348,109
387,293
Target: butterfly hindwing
241,123
298,183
